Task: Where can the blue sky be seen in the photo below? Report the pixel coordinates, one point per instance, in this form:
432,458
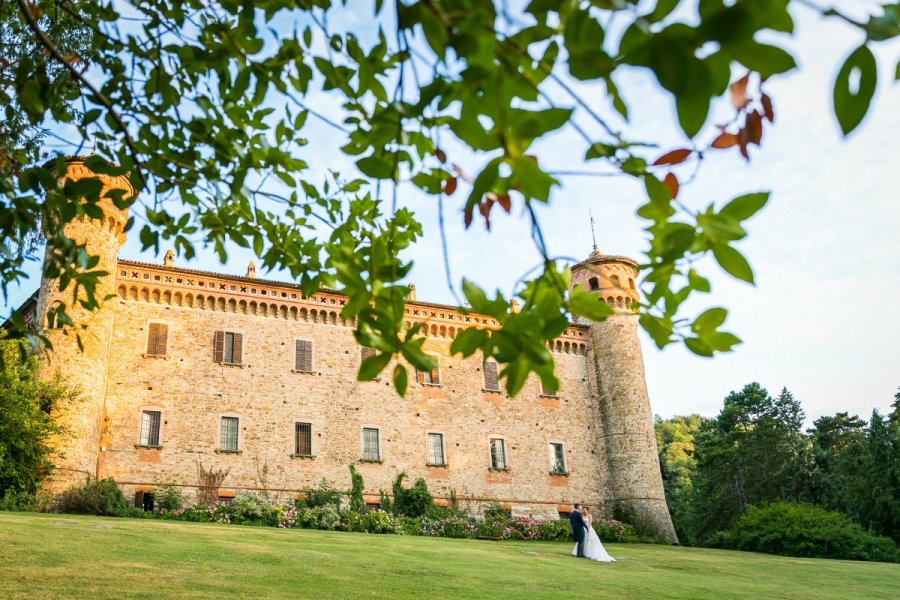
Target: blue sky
822,319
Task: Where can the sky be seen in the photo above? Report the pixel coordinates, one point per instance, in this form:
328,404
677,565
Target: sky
822,319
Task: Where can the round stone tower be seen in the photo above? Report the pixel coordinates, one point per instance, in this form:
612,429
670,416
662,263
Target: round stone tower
626,422
85,368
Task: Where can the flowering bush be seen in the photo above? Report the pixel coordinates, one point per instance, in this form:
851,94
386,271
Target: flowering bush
613,530
452,527
207,514
523,528
252,509
325,517
372,521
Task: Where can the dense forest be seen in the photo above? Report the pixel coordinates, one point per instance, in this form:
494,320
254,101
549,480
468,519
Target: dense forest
755,455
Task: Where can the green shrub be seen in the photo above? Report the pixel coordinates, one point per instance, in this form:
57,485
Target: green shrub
324,495
555,530
169,499
793,529
18,501
325,517
372,521
207,514
97,497
451,527
357,502
615,531
411,502
252,509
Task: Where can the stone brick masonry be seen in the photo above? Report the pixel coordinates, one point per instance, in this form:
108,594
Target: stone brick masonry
601,414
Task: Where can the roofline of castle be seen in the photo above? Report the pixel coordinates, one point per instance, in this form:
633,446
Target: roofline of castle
76,159
294,286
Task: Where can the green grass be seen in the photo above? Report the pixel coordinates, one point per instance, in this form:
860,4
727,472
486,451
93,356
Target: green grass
56,556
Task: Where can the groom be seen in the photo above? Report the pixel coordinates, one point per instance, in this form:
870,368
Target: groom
579,527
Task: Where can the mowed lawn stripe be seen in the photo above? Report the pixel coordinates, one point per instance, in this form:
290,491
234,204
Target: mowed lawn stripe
53,556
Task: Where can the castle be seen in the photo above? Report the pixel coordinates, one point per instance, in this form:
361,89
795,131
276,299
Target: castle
181,367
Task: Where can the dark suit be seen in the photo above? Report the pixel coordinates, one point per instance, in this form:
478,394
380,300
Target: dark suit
576,520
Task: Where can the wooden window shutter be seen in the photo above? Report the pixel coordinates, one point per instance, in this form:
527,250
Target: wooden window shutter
420,376
491,380
303,356
162,338
219,347
365,353
238,344
436,375
152,339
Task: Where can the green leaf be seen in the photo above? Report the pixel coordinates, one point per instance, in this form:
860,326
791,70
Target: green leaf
469,341
762,58
852,103
733,262
587,305
744,207
698,346
709,320
372,366
375,167
401,379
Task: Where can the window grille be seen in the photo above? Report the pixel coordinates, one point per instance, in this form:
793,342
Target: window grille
303,439
436,449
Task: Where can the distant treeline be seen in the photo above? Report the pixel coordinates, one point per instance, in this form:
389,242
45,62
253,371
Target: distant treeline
755,453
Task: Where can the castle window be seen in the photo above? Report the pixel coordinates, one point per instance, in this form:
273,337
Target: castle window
491,378
371,446
228,434
302,439
557,459
436,449
228,347
593,284
432,377
498,453
157,339
303,352
365,353
631,283
150,420
615,281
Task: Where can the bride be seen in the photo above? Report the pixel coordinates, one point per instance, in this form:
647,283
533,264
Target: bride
593,547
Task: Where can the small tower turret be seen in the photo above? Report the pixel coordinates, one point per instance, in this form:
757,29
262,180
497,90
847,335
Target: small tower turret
78,447
626,422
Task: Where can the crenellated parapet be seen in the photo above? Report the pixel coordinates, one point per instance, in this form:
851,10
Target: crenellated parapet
204,290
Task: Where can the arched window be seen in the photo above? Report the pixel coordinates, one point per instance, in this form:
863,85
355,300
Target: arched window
631,283
615,281
593,283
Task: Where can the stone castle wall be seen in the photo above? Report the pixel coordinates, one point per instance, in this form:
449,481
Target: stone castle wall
193,392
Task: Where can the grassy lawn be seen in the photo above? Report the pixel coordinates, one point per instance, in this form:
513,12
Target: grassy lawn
56,556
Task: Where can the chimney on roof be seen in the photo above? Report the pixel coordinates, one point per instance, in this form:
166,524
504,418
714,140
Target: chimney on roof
411,296
169,259
251,270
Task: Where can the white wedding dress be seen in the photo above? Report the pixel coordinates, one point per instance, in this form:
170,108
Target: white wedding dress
593,547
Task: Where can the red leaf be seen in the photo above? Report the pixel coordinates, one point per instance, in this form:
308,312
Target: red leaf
440,155
485,209
674,157
725,140
504,201
767,107
671,183
467,216
450,186
753,125
742,140
739,92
